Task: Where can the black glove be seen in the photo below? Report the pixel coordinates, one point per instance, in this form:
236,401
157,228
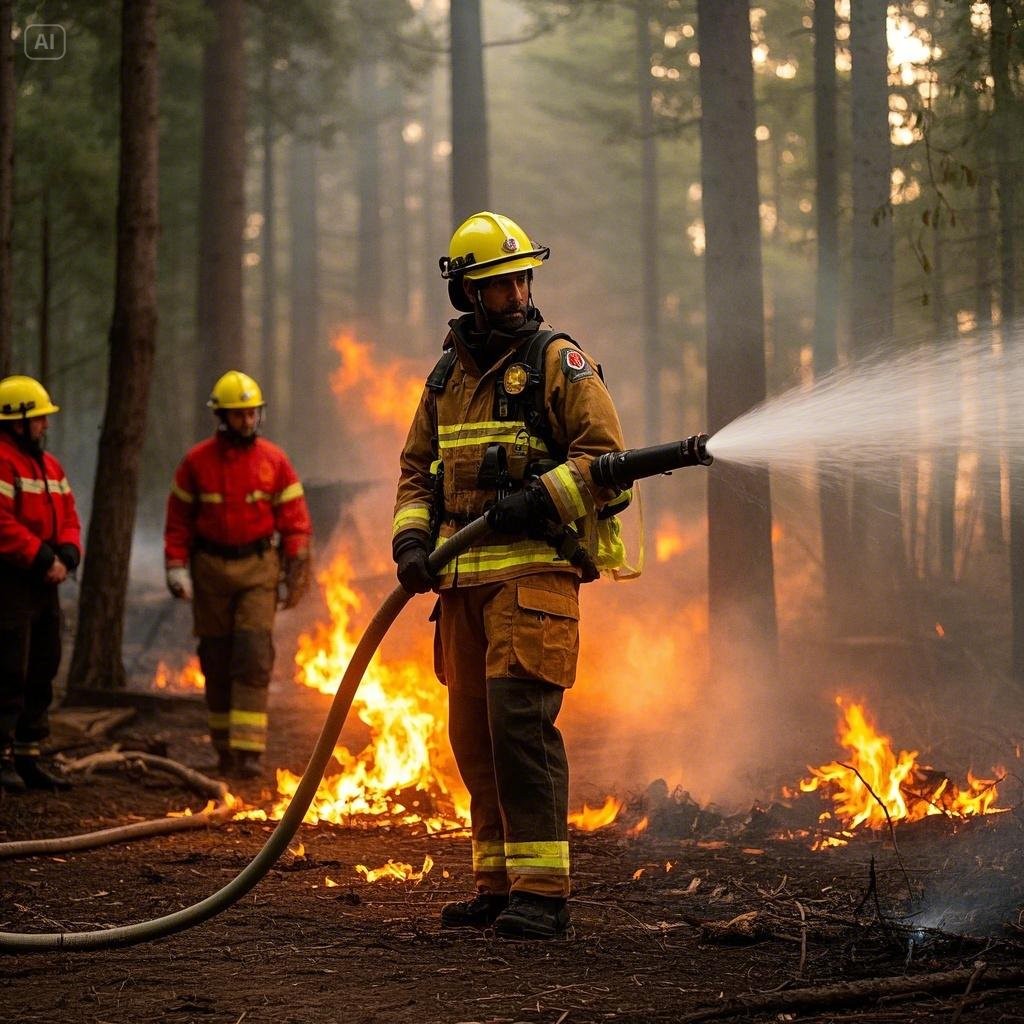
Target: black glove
296,574
410,552
68,554
527,511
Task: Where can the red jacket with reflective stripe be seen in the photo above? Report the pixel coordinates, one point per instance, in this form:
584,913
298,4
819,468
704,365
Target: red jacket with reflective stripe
235,494
36,505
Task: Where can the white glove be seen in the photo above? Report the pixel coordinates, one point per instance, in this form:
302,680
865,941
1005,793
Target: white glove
179,582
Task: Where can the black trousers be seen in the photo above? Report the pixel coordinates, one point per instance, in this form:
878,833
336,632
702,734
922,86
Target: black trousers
30,652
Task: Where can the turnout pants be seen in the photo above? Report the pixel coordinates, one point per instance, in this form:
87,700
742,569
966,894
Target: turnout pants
507,651
233,615
30,652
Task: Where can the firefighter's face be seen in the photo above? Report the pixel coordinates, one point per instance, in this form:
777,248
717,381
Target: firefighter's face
34,429
505,298
242,421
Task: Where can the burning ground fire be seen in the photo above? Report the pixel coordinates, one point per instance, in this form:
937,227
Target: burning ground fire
184,680
405,775
876,786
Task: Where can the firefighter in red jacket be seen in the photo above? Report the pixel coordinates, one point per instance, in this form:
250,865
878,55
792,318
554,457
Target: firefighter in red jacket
40,545
510,420
237,526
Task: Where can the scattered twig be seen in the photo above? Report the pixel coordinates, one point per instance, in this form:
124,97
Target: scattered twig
855,991
803,940
979,969
892,828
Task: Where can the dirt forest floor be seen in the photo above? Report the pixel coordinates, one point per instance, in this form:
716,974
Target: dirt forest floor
664,929
703,918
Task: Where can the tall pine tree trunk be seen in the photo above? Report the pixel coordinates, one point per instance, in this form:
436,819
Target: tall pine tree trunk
220,329
6,186
832,491
470,168
877,540
1006,111
96,662
742,622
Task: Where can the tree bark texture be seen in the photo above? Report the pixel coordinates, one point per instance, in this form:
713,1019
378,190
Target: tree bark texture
742,628
832,493
470,162
876,530
97,662
6,186
220,334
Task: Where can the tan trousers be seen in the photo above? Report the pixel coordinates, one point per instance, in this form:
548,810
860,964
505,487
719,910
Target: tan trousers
507,652
233,615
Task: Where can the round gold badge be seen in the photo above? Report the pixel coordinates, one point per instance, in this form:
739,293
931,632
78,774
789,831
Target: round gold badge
515,379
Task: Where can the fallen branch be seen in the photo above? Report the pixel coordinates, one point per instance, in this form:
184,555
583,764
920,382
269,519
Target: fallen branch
859,991
224,807
201,783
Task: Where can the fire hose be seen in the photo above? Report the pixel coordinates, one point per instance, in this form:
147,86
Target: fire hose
613,469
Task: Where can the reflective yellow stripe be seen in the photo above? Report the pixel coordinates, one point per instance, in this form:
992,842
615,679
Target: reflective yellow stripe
567,492
256,719
505,556
182,495
58,486
253,496
6,489
29,486
244,744
462,435
219,720
212,499
290,493
488,856
537,858
416,517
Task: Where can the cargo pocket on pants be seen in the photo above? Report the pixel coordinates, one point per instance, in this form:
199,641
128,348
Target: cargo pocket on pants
545,635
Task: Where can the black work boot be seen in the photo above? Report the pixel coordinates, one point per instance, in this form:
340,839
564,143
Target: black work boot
529,916
10,780
479,912
35,776
225,762
247,764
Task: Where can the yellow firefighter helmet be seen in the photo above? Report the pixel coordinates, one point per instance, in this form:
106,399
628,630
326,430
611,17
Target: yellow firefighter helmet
487,245
236,390
24,398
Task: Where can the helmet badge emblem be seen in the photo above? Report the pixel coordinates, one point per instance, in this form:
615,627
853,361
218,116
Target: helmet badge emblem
510,244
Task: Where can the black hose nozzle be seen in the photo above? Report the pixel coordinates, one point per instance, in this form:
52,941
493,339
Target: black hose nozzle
620,469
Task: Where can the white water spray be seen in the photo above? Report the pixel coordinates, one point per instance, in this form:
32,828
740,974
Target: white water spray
958,397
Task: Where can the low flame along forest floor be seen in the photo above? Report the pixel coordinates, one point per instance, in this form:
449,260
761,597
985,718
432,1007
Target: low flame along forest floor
663,928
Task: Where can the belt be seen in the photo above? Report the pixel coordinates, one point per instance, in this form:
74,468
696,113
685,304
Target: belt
255,547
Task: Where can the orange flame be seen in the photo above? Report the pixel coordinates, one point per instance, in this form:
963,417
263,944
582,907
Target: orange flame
404,708
875,785
591,819
389,392
396,871
672,540
184,679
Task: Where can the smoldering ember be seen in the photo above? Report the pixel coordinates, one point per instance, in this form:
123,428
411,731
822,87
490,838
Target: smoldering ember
312,523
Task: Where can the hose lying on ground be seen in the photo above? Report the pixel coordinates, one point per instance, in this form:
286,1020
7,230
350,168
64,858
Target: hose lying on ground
277,842
213,788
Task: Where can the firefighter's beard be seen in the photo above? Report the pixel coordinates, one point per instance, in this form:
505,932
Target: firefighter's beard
510,319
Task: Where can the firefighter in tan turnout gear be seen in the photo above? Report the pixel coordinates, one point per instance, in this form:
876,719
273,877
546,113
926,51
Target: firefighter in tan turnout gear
237,535
509,421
